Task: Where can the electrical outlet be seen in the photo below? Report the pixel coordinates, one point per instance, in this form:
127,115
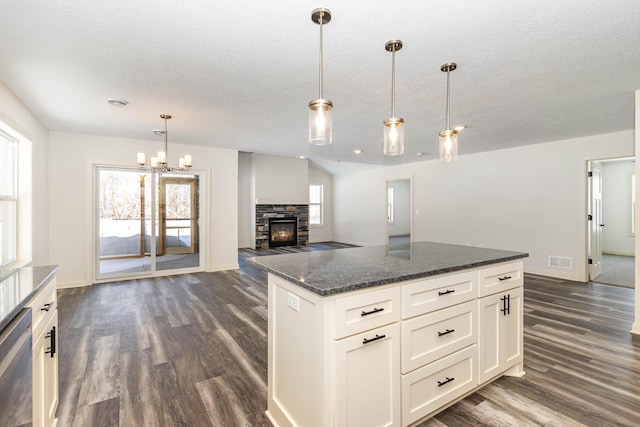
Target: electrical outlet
293,301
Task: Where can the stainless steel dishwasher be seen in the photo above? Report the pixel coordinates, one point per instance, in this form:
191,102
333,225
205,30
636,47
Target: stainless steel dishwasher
16,407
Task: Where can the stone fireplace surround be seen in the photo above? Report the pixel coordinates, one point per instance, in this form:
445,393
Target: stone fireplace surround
266,211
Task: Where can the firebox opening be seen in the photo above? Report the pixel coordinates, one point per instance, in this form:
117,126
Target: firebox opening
283,232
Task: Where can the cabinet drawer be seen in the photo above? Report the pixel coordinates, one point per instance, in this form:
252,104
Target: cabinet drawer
366,310
439,292
43,305
432,386
435,335
500,278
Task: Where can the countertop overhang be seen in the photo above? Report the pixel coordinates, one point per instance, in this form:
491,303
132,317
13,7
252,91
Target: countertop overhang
18,286
342,270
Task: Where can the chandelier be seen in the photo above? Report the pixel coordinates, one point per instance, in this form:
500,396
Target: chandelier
160,162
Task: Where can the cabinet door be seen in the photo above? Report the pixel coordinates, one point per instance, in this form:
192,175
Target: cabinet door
45,374
500,333
512,329
51,371
368,378
489,320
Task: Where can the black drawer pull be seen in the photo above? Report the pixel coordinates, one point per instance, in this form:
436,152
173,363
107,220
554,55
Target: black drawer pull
450,291
47,306
504,278
447,381
448,331
377,337
52,349
375,310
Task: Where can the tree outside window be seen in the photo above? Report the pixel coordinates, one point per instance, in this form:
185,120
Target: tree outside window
315,204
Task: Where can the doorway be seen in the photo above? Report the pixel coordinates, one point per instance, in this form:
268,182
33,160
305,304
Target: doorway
399,222
611,219
147,222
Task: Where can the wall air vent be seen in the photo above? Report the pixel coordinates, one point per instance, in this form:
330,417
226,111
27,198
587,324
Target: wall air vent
560,262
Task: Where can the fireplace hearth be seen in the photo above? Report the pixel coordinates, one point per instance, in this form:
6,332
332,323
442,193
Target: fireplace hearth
283,232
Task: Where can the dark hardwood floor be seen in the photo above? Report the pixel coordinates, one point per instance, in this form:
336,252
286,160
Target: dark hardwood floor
191,350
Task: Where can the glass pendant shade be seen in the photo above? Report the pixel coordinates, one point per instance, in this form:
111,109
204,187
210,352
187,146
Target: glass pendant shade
320,122
393,136
448,146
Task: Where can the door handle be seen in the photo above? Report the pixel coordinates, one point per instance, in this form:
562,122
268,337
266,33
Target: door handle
601,225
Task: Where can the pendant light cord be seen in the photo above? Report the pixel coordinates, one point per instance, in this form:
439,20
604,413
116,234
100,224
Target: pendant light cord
321,54
448,102
393,80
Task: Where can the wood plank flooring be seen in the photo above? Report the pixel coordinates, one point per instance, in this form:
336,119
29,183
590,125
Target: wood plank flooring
191,350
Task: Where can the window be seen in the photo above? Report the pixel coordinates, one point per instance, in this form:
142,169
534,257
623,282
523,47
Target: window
315,204
8,197
390,205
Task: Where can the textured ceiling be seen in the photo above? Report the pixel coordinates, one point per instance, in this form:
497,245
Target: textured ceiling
240,74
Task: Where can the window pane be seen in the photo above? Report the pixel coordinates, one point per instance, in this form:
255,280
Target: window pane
314,214
8,164
7,231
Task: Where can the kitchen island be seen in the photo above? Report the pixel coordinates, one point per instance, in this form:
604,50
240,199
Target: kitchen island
388,335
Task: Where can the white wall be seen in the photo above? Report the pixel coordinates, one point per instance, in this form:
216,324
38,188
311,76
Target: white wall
324,232
636,324
71,187
530,199
18,117
246,202
401,208
616,207
280,180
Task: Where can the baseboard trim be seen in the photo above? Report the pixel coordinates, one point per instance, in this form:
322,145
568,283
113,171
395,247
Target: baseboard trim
635,328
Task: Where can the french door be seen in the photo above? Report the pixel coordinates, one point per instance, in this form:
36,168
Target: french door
147,222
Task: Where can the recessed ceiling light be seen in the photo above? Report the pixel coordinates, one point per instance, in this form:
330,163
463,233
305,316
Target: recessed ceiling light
117,102
420,154
158,131
358,151
460,127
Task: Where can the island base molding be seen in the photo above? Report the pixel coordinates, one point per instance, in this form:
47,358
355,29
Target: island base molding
394,354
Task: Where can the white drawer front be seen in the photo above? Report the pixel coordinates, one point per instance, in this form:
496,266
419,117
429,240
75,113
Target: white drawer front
43,304
428,388
439,292
366,310
435,335
500,278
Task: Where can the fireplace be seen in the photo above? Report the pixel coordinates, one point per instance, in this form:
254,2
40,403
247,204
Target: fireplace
283,231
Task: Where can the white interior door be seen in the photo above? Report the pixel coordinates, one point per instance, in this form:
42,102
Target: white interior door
595,220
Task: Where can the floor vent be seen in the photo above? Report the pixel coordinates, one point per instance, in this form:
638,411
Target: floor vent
560,262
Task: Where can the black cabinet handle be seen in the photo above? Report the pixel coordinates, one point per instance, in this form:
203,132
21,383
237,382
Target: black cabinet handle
448,331
52,348
47,306
504,278
449,291
447,381
376,338
504,305
508,304
375,310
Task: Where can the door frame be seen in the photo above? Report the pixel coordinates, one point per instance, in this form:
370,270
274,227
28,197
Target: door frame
386,201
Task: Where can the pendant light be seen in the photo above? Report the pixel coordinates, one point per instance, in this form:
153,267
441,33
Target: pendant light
448,145
161,160
393,126
320,117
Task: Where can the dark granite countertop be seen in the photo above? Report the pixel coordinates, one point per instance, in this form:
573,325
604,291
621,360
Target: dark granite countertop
341,270
18,286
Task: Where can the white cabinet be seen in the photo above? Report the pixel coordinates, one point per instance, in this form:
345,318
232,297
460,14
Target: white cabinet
45,355
368,384
390,355
500,321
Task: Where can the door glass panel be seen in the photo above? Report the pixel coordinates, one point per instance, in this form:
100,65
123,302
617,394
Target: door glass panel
178,222
122,200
